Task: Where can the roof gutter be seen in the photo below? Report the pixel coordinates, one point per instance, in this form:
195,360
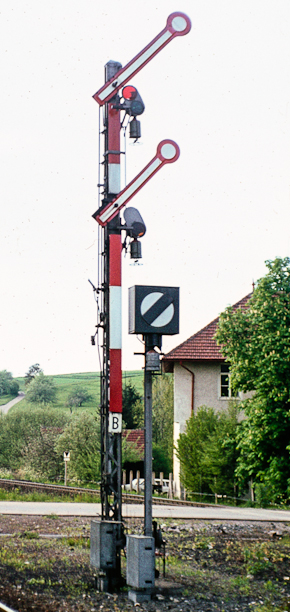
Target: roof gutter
192,384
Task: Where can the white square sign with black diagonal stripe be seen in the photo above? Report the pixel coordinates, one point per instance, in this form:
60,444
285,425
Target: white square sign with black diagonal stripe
153,310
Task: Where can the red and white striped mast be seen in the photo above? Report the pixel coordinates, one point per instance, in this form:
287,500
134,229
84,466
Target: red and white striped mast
112,314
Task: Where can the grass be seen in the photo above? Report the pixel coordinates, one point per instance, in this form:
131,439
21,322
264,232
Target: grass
4,399
65,383
29,535
17,495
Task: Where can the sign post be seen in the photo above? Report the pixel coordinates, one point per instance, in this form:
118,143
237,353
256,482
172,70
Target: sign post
153,312
66,458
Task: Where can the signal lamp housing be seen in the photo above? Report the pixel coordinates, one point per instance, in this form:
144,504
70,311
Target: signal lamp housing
133,103
135,228
129,92
135,129
135,249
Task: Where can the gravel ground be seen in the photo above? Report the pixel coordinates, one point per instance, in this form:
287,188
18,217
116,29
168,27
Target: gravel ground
210,566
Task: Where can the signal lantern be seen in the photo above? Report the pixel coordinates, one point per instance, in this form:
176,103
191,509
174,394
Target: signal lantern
135,128
133,103
129,92
135,228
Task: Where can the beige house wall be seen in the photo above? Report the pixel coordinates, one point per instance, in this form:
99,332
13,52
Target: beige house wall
206,393
206,389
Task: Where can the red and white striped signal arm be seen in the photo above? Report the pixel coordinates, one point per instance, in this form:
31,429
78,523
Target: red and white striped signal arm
178,24
167,153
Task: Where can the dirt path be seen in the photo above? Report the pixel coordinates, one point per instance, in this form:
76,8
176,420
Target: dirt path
7,407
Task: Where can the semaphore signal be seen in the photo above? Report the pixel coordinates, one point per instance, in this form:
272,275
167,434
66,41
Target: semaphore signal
178,24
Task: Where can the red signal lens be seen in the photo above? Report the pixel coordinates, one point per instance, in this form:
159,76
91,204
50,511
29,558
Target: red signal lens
129,92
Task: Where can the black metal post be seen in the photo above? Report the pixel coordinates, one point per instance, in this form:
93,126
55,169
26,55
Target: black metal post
148,444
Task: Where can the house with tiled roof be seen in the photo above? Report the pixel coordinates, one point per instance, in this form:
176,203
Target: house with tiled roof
201,378
135,439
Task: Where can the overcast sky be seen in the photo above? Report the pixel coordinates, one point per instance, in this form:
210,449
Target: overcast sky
221,92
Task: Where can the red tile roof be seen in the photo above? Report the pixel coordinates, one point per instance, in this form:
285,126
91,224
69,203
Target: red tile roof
202,345
136,437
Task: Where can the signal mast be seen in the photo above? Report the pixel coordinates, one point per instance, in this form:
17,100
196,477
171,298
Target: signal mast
110,316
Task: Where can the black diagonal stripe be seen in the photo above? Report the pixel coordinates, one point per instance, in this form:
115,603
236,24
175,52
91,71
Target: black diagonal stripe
157,308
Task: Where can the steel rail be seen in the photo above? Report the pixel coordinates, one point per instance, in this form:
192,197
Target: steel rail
46,486
128,498
4,607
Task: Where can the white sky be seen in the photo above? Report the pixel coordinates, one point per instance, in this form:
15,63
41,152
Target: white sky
222,93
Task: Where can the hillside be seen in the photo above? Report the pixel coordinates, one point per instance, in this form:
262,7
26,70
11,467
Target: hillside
90,381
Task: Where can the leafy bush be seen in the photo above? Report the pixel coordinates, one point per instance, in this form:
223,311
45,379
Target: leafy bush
263,495
161,460
207,450
77,397
22,428
41,390
130,397
81,437
162,422
8,386
41,457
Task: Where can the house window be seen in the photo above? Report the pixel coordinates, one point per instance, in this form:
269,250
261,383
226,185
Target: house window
225,386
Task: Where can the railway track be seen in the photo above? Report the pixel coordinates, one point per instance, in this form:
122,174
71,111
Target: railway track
127,498
48,488
5,608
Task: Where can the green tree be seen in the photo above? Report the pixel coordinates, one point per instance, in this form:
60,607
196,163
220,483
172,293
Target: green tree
20,427
162,422
82,438
33,371
42,390
256,343
191,449
207,450
8,386
14,388
138,414
220,451
130,397
40,456
77,397
161,460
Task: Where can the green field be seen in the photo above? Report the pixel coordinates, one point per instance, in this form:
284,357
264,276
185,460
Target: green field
89,380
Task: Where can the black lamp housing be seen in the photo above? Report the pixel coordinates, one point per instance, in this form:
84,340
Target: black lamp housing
135,228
